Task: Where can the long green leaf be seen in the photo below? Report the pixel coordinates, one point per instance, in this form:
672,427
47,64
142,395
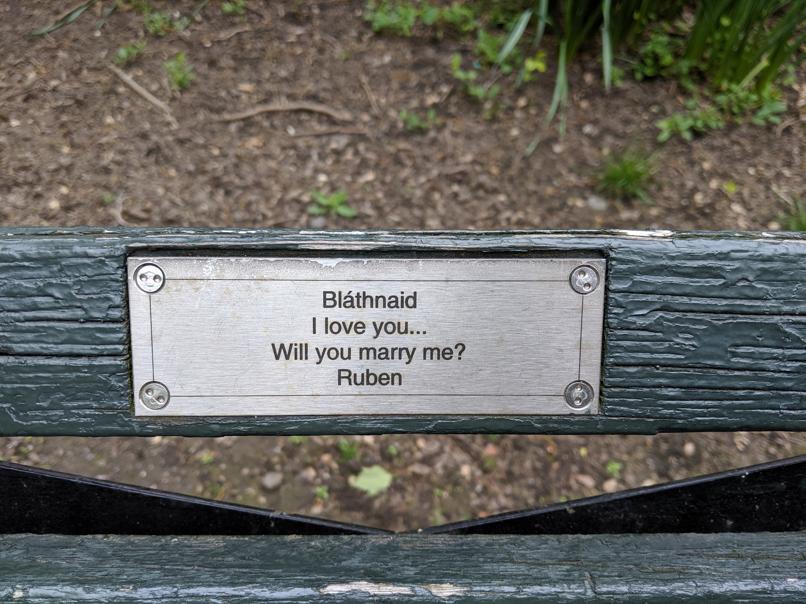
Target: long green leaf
514,36
607,46
67,19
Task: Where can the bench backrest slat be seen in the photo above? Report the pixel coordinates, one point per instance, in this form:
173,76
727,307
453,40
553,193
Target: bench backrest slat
702,332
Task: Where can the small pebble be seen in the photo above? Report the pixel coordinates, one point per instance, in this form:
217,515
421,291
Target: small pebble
596,203
271,480
610,485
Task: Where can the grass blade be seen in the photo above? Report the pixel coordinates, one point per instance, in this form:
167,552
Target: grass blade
515,36
607,47
66,19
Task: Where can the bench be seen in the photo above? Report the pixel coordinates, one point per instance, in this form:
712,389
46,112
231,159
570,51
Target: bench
700,332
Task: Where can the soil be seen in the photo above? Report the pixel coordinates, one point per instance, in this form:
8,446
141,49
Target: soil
80,147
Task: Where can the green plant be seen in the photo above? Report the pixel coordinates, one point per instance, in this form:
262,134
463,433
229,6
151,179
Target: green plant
657,56
730,187
480,92
373,480
764,107
460,17
686,124
126,55
390,16
322,493
234,8
335,203
348,449
206,457
745,42
613,469
413,122
626,175
795,217
392,451
65,19
296,439
158,24
179,72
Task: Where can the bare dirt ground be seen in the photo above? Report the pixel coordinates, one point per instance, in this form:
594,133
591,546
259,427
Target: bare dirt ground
79,147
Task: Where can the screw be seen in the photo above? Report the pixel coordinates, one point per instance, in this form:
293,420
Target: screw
149,278
584,279
154,395
579,394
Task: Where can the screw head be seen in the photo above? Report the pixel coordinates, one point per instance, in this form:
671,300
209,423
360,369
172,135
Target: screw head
579,394
154,395
149,278
584,279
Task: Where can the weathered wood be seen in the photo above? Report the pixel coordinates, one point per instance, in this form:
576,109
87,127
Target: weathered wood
703,331
574,568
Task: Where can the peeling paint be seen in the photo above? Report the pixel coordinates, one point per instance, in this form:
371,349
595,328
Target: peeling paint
373,589
445,590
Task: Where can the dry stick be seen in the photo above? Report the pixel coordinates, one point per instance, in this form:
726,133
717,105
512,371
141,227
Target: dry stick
231,33
331,132
337,114
127,79
368,91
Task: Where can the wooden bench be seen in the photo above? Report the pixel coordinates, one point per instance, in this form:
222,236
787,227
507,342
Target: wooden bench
702,332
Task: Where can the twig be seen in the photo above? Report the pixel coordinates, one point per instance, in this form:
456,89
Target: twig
117,212
231,33
331,132
370,95
337,114
786,124
127,79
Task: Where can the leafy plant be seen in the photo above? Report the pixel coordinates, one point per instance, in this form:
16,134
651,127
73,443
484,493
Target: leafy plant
296,439
795,217
372,480
126,55
745,41
657,56
335,203
179,72
393,17
468,78
348,449
234,8
765,106
626,176
322,493
687,124
460,17
413,122
158,24
613,468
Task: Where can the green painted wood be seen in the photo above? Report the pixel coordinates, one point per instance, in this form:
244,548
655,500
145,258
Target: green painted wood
573,568
703,331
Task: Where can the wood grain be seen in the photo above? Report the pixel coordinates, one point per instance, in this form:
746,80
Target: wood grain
703,331
573,568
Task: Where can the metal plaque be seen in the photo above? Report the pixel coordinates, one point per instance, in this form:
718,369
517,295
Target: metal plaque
224,336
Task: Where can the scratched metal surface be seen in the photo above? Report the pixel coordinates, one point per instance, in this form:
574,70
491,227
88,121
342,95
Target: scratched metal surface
702,331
